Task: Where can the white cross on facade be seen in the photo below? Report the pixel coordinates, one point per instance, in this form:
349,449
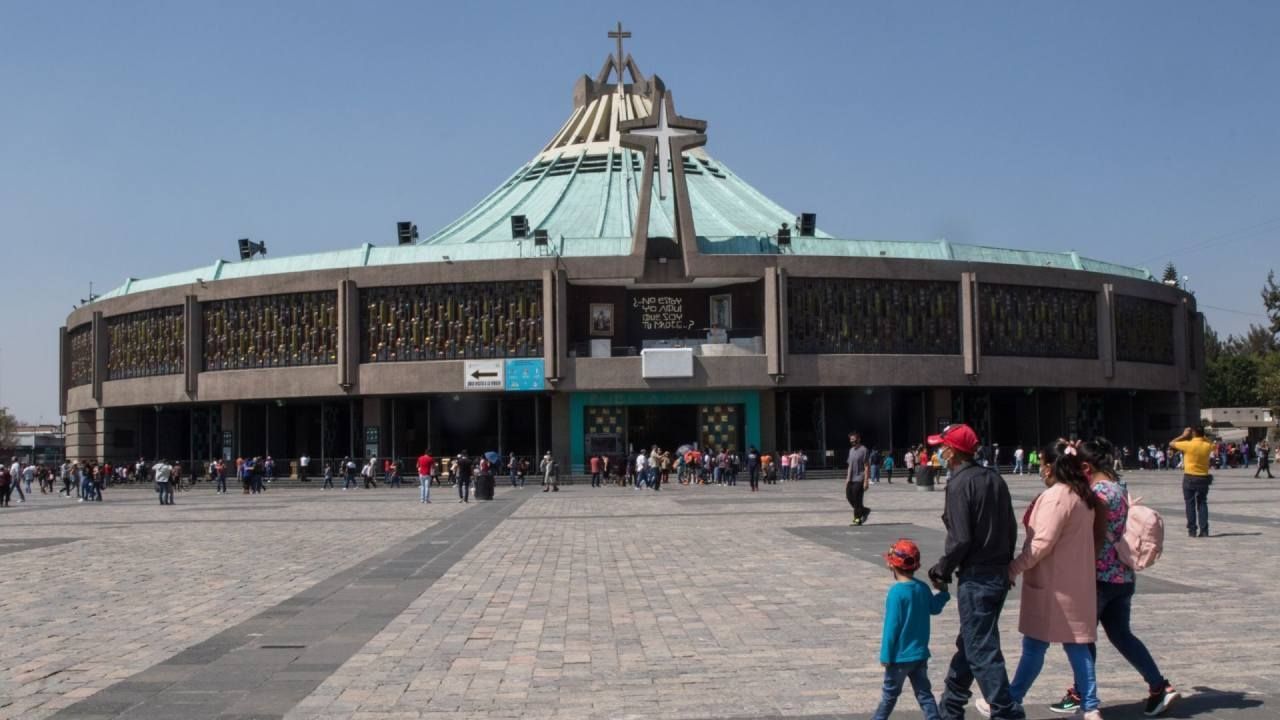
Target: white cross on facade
664,134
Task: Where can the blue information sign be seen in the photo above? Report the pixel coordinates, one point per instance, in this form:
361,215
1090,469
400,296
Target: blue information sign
525,374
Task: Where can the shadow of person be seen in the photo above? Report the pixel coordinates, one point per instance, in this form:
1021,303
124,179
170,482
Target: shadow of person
1222,535
1206,702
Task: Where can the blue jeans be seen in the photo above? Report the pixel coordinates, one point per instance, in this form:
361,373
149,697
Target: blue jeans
980,598
895,674
1114,604
1196,496
222,483
1032,661
424,494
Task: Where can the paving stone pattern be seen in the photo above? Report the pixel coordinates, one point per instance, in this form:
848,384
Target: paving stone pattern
696,602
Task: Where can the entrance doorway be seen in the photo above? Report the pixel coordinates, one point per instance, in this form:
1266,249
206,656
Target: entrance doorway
667,426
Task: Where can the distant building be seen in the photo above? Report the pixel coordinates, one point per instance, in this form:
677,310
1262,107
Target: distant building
1238,423
624,288
36,443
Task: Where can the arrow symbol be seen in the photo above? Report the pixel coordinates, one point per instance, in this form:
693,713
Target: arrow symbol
477,374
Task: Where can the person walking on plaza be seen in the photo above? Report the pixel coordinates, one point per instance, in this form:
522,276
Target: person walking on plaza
642,461
1264,459
348,473
874,461
67,470
753,468
548,470
981,535
1059,595
269,469
1018,466
904,640
6,486
462,471
220,475
1115,584
328,476
909,462
513,468
367,473
425,466
857,478
1196,479
595,471
163,472
304,468
15,472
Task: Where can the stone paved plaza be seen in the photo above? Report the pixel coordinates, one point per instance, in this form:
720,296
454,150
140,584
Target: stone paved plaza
702,602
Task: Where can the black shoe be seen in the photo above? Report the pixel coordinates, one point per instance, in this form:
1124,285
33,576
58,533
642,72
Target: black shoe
1068,704
866,513
1204,533
1191,533
1159,701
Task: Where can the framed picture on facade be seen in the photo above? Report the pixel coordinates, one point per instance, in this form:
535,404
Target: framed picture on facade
721,311
602,319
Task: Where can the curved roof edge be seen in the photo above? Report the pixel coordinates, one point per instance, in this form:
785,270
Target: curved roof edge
368,255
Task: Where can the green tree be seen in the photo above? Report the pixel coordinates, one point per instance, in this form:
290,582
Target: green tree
1258,341
8,426
1214,348
1232,381
1271,299
1170,273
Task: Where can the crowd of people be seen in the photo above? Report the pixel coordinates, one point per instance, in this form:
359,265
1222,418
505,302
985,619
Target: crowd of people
1075,565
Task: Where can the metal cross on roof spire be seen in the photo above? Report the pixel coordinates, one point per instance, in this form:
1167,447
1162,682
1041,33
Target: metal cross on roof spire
619,34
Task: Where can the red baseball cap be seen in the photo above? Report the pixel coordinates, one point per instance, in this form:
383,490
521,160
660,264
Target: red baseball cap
957,437
904,555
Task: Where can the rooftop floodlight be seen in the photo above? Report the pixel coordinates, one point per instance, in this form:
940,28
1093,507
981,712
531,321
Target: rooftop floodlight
519,227
406,232
540,238
784,235
808,224
249,248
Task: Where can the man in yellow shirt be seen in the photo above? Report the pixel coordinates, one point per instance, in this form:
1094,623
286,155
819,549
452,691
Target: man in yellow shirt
1196,479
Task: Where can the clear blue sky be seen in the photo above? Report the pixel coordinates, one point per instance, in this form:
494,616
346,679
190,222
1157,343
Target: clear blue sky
141,138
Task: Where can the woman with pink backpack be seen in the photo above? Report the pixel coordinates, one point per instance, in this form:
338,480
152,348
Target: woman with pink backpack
1116,579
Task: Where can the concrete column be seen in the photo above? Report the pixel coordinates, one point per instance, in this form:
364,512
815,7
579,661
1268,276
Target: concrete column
561,316
99,335
193,345
81,440
1106,330
561,442
64,370
1071,411
100,433
550,368
1181,336
768,420
969,343
228,423
939,408
775,321
348,335
372,408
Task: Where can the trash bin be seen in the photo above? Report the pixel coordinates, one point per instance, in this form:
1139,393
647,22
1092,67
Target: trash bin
484,487
925,477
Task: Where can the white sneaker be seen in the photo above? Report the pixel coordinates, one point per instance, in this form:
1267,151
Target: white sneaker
983,708
1091,715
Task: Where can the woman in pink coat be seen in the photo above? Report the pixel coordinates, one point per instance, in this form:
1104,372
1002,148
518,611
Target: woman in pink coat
1059,597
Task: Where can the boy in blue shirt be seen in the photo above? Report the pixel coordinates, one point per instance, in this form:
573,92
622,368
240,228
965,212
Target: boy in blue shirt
904,644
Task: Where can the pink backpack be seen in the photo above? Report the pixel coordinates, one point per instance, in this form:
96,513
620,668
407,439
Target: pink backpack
1143,539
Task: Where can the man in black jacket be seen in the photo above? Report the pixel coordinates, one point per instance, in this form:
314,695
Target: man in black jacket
981,534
